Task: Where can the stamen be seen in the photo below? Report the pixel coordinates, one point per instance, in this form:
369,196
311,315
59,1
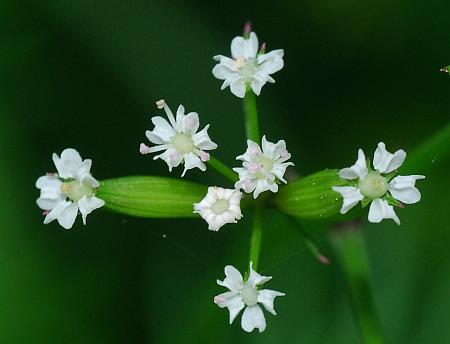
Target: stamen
160,103
144,149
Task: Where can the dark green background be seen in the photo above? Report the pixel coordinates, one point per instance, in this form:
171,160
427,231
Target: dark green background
85,74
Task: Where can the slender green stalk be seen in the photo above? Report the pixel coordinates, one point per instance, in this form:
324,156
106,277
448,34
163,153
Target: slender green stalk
349,246
309,241
255,241
251,117
223,169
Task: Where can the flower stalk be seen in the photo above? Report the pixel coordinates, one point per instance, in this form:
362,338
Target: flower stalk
255,241
223,169
348,244
251,117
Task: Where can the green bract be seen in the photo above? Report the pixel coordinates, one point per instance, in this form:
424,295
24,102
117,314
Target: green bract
156,197
312,197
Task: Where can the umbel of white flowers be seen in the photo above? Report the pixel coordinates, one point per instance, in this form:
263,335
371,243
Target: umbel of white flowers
262,168
248,66
219,207
179,139
377,186
70,190
249,295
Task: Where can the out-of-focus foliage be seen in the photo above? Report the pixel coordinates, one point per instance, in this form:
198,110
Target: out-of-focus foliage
85,74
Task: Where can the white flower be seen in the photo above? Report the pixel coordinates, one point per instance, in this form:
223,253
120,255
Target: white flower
262,169
179,139
219,207
247,67
246,294
70,190
376,185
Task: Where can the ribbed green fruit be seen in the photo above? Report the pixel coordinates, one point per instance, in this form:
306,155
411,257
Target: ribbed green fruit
154,197
312,197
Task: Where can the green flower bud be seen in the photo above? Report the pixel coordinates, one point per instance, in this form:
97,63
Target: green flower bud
312,197
155,197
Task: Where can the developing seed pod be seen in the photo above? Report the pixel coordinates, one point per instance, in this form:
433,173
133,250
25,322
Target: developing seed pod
312,197
152,197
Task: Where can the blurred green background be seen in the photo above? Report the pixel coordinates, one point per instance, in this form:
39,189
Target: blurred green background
85,74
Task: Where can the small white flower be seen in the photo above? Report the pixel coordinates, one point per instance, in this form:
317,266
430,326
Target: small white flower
219,207
262,169
246,294
376,185
247,67
179,139
70,190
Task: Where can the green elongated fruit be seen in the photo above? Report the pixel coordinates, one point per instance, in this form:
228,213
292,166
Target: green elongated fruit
153,197
312,197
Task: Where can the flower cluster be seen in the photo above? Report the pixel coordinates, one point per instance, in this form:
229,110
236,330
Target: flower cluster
246,294
248,66
378,186
262,168
69,191
178,141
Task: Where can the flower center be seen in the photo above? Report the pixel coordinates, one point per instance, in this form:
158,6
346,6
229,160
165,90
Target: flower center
266,167
220,206
249,295
246,68
75,190
183,143
373,186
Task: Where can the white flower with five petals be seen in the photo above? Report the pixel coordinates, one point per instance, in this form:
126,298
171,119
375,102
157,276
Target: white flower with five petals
377,186
219,207
247,67
262,169
179,139
70,190
246,294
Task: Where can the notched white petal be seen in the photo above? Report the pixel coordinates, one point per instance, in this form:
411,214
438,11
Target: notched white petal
351,196
380,209
403,188
385,162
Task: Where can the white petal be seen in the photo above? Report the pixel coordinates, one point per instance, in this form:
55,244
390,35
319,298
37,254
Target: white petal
48,182
257,83
56,211
232,301
380,209
255,279
233,279
252,318
69,163
192,161
403,188
244,48
271,62
190,123
203,141
358,170
65,213
351,196
222,72
163,129
386,162
89,204
266,297
155,139
237,87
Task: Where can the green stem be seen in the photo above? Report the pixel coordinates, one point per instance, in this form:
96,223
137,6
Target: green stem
251,117
255,241
223,169
349,245
309,241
